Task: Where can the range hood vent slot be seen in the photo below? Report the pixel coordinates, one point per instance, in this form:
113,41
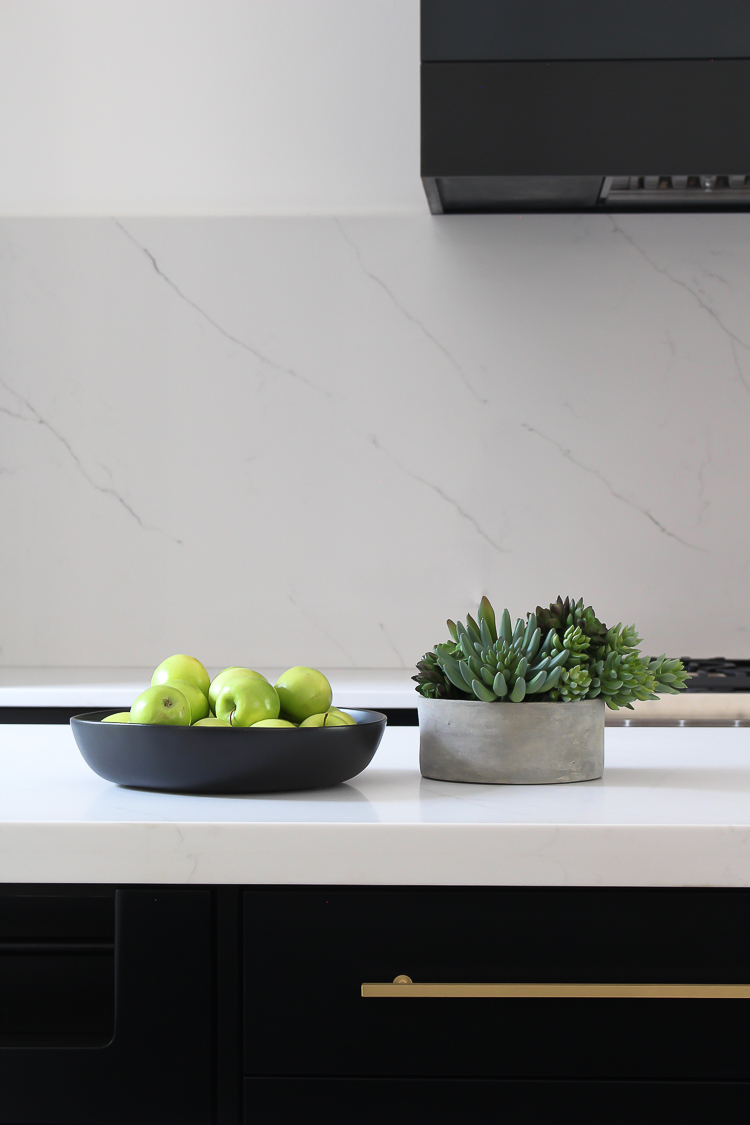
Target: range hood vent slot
675,191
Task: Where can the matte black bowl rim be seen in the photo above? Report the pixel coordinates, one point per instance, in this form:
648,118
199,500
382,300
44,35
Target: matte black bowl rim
95,717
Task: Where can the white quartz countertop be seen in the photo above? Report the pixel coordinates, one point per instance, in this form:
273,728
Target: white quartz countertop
673,809
94,688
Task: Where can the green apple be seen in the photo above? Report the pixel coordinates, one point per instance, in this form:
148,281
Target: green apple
211,721
350,722
326,719
228,676
303,692
195,697
246,701
182,668
161,704
274,723
120,717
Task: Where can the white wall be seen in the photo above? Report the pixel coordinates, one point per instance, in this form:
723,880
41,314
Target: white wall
312,438
218,107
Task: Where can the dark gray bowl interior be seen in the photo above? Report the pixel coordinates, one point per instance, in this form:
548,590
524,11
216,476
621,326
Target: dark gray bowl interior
217,760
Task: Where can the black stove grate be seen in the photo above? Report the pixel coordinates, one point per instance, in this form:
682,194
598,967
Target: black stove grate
717,674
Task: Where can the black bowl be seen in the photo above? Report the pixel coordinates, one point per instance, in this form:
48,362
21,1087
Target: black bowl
217,760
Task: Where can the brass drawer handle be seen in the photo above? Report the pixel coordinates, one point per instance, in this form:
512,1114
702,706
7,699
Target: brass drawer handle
404,986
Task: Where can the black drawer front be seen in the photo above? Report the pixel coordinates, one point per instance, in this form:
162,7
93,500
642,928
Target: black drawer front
57,1000
307,953
425,1101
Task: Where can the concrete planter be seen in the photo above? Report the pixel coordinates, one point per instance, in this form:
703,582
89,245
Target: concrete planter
511,743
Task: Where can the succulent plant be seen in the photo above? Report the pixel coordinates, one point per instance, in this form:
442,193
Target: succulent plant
562,614
432,682
574,684
573,639
561,654
618,671
491,662
670,675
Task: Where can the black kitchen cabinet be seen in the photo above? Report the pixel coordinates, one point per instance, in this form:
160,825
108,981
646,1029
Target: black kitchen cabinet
234,1005
106,1014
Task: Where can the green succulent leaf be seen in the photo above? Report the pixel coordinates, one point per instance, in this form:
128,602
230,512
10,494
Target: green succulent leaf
484,631
487,676
473,629
467,673
519,691
486,614
482,692
552,678
499,686
559,660
453,672
535,685
533,647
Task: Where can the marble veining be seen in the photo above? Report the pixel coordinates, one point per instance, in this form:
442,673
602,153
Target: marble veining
443,496
312,439
214,324
31,414
409,316
701,297
568,454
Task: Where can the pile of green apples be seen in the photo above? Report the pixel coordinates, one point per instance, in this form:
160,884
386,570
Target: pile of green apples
182,694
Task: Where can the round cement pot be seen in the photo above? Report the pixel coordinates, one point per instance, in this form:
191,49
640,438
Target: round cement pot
511,743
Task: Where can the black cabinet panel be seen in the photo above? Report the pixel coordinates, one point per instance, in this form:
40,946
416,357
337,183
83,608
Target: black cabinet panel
307,953
62,999
620,118
584,29
158,1067
59,915
57,968
289,1101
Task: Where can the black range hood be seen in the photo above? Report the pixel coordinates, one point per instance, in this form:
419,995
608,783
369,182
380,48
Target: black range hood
585,105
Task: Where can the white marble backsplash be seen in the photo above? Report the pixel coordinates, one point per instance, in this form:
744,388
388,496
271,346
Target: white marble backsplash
310,440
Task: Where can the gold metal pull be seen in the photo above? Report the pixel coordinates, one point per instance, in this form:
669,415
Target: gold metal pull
404,986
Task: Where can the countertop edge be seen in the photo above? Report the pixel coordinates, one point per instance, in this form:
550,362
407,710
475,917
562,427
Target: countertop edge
594,855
